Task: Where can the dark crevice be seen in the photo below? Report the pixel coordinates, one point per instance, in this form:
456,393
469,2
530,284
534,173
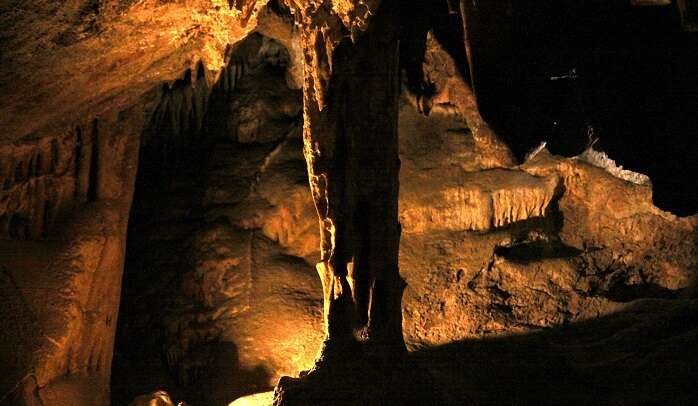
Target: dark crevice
623,292
77,163
93,177
47,214
38,164
54,156
19,171
536,251
18,227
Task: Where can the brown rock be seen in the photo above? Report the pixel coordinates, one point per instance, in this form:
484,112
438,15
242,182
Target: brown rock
159,398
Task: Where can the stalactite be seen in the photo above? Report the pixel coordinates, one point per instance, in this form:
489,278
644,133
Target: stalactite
177,120
45,178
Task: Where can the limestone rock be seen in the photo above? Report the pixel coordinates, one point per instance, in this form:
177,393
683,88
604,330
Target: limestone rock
227,233
515,268
66,280
475,201
633,248
574,260
540,253
85,57
159,398
213,303
264,398
264,109
262,304
280,204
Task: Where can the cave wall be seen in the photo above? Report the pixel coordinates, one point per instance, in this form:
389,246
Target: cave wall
488,248
238,307
67,204
86,78
485,252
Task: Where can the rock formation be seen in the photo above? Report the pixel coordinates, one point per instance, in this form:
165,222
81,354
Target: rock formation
351,148
158,234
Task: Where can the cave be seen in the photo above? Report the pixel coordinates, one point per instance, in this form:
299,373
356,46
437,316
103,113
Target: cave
348,202
212,152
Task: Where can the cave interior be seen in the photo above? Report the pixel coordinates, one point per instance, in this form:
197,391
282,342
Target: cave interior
348,202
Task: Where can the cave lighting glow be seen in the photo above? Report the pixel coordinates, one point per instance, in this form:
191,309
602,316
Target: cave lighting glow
257,399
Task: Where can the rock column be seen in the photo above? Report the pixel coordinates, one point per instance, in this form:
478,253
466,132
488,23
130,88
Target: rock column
351,91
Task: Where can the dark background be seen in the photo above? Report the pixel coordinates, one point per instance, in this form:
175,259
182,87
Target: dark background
632,77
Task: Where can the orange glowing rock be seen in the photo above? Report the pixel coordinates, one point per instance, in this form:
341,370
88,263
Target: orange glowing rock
257,399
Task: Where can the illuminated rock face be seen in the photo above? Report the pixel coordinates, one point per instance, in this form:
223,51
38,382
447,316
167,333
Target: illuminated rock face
554,266
66,206
159,398
545,271
78,59
224,235
85,78
237,214
351,148
566,261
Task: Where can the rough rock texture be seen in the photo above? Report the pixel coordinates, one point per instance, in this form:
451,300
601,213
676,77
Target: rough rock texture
324,25
159,398
570,261
86,78
220,296
350,99
565,260
62,290
235,309
485,252
476,201
465,197
42,180
80,58
279,205
451,89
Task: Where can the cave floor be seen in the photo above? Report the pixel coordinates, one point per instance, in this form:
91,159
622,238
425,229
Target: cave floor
645,354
